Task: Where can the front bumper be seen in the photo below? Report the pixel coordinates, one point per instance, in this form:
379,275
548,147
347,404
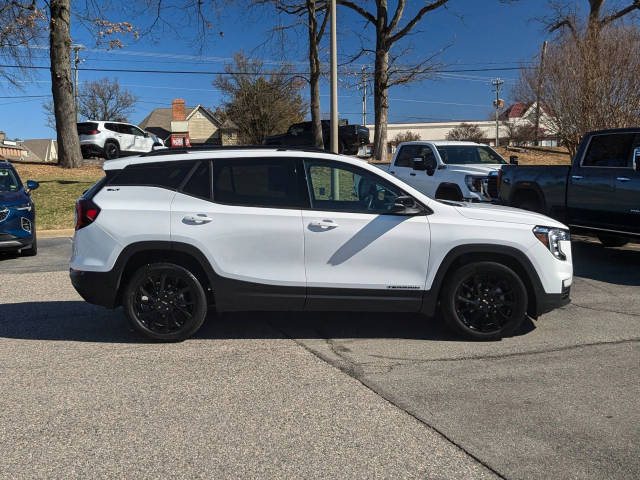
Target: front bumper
545,302
99,288
10,242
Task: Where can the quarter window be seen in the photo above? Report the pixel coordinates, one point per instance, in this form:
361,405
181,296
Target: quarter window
349,189
259,182
611,150
161,174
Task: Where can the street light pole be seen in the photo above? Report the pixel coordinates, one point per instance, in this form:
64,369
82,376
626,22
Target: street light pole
334,80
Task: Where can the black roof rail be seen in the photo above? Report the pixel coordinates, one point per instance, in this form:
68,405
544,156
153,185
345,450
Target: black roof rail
279,148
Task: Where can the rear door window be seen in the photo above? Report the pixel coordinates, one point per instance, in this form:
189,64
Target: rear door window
260,182
199,183
609,150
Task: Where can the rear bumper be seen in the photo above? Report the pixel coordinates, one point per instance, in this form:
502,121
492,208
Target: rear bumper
99,288
91,150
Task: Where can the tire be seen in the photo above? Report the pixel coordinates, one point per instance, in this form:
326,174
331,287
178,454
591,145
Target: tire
165,302
32,251
612,241
530,205
449,194
111,150
484,301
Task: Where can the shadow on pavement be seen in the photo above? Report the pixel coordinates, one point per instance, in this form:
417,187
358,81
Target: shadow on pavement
613,265
82,322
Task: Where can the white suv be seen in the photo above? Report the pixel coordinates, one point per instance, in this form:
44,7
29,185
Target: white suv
449,170
112,139
169,233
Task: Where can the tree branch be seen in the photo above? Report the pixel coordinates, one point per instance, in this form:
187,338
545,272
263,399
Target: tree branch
368,16
423,11
621,13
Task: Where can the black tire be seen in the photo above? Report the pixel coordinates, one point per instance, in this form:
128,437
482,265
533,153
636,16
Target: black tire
484,301
449,194
32,251
531,205
612,241
165,302
111,150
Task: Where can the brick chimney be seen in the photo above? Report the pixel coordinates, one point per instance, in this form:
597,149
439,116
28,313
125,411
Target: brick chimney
179,124
178,111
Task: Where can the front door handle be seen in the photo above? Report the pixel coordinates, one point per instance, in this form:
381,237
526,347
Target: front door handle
623,179
412,174
577,177
323,224
198,219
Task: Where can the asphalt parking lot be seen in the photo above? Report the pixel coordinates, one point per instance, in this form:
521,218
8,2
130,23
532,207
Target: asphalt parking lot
319,396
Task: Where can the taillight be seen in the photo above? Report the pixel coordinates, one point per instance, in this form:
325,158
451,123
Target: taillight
86,212
94,132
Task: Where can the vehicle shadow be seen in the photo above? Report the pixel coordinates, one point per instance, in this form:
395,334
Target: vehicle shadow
612,265
82,322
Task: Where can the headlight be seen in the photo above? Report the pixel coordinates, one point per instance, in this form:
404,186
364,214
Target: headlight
24,206
474,183
551,238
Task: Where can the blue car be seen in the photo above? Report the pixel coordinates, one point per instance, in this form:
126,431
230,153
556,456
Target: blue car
17,213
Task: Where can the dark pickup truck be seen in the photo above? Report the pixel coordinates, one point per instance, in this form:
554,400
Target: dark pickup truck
350,137
599,194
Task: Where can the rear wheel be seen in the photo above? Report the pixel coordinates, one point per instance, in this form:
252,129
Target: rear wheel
165,302
484,300
111,150
612,241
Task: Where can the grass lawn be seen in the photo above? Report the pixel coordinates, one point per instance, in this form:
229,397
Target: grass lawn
59,189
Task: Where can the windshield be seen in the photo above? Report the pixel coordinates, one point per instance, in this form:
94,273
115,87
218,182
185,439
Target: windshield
8,181
468,154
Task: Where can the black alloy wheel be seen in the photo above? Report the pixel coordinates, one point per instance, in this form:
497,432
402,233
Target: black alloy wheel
484,300
165,302
111,151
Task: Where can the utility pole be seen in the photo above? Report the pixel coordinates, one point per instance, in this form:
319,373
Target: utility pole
497,103
363,86
76,63
334,80
538,90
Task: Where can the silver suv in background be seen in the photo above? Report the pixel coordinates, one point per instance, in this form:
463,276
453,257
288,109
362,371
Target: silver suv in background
114,139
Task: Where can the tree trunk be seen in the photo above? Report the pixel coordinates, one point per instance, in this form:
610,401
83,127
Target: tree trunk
314,78
62,86
381,104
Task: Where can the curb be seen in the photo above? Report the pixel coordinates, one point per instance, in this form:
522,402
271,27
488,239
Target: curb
63,233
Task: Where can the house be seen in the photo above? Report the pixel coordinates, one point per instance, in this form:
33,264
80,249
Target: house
201,127
524,114
11,149
42,150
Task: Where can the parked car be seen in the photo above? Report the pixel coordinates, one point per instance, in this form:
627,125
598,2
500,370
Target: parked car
449,170
114,139
599,194
166,234
17,213
350,137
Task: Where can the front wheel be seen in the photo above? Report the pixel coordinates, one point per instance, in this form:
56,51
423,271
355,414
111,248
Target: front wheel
165,302
484,301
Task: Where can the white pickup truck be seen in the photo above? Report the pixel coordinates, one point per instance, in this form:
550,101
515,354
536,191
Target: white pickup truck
449,170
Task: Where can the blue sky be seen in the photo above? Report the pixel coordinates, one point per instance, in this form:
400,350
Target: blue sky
477,34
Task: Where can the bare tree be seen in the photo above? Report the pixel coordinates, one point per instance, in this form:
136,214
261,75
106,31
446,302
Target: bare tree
260,102
407,136
389,71
466,132
307,13
519,134
565,15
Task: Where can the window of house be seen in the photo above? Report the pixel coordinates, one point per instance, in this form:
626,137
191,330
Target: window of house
349,189
259,182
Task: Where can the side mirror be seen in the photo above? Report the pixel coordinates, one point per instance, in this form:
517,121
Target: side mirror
418,163
513,160
406,205
636,159
32,185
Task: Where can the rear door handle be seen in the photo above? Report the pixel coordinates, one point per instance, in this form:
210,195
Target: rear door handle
623,179
323,224
198,219
412,174
577,177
